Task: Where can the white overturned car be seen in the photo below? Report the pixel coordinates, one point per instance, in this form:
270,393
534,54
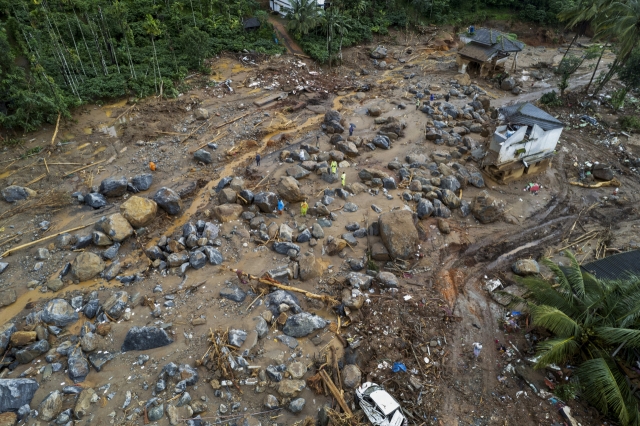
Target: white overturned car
380,407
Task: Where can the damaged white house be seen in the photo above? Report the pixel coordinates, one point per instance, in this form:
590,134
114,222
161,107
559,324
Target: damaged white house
523,144
283,6
486,49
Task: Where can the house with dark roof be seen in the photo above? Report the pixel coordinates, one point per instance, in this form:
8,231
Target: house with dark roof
486,49
251,24
523,144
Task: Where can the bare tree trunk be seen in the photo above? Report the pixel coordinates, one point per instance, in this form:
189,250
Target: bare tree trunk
85,44
569,48
607,77
76,46
586,90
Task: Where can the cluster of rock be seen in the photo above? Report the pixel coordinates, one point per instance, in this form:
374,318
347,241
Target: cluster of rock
45,333
193,249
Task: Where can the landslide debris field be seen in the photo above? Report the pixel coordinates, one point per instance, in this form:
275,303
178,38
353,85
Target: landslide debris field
178,292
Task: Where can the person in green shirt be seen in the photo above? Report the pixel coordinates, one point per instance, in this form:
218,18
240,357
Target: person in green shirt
334,167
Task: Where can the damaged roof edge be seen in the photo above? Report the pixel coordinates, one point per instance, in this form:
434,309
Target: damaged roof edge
529,114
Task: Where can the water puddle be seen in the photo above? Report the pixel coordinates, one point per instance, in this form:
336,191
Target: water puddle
109,108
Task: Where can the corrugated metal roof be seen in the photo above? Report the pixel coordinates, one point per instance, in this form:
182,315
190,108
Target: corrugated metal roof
490,37
615,267
527,114
477,52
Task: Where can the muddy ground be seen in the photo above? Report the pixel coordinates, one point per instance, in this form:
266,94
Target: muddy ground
442,306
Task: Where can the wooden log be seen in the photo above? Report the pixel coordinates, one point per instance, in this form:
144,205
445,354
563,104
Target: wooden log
84,167
335,392
8,252
55,133
273,283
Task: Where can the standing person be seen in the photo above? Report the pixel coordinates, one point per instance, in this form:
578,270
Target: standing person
302,156
280,207
303,208
351,128
318,141
343,178
417,103
446,97
334,167
432,98
257,159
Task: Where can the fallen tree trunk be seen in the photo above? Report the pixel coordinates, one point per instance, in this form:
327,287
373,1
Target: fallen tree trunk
273,283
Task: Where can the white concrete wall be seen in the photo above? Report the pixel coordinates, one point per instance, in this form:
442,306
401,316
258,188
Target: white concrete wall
539,142
281,6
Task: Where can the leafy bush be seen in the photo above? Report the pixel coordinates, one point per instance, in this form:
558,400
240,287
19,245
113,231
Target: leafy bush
551,99
630,122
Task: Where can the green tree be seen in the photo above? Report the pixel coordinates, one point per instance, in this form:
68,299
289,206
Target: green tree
303,16
567,67
595,327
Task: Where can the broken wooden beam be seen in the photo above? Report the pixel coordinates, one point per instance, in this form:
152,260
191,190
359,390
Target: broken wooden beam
268,99
335,392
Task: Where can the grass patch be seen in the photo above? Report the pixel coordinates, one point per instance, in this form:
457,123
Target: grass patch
630,122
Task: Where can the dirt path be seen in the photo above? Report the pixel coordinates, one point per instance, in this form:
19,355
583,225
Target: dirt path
284,37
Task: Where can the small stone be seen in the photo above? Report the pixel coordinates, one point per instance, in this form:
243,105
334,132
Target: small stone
297,405
113,187
144,338
351,376
271,402
237,337
168,200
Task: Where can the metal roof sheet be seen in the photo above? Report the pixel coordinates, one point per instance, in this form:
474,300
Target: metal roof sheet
527,114
615,267
490,37
477,51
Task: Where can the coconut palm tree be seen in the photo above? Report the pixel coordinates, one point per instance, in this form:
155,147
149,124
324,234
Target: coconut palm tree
595,326
303,16
620,20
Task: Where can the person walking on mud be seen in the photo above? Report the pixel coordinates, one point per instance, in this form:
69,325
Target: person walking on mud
303,208
417,103
446,97
334,167
343,178
351,128
258,160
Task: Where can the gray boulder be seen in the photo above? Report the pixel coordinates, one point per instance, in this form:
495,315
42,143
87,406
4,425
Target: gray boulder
142,182
145,338
113,187
59,313
14,393
267,202
168,200
203,156
526,267
95,200
303,324
15,193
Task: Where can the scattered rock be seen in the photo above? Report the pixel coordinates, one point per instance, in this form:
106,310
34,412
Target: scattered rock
227,212
289,189
155,413
379,53
486,208
201,114
351,376
303,324
14,393
50,407
95,200
59,313
387,280
234,293
526,267
16,193
78,367
266,201
203,156
297,405
83,403
87,265
168,200
113,187
142,182
289,388
7,297
145,338
31,352
237,337
117,227
139,211
310,267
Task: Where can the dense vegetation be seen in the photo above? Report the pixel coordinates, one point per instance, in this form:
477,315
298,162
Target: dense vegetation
55,54
594,325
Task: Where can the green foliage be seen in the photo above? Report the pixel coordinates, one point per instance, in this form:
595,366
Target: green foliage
595,326
567,66
567,391
629,73
630,122
618,97
57,54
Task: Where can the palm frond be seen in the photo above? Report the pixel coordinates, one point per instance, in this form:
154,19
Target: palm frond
556,351
559,275
555,321
604,387
616,336
574,275
543,293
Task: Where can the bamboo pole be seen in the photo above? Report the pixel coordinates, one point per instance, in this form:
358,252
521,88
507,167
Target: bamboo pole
195,130
218,137
84,167
55,133
8,252
46,165
274,283
335,392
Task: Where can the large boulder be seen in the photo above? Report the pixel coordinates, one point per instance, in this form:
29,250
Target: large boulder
14,393
508,83
289,189
139,211
486,208
59,313
526,267
227,212
113,187
16,193
266,201
145,338
303,324
399,234
117,227
310,267
168,200
379,53
87,265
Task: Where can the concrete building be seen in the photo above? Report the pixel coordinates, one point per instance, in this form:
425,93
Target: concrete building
523,144
282,6
486,49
